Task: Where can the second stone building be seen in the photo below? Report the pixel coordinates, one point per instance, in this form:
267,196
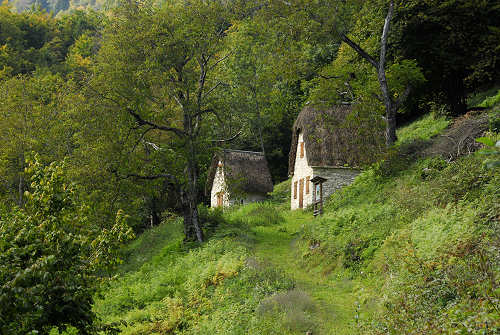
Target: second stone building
330,143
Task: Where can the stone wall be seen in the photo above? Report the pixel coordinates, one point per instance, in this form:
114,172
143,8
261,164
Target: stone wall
337,178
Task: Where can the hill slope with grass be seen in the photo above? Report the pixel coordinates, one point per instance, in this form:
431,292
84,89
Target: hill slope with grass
411,247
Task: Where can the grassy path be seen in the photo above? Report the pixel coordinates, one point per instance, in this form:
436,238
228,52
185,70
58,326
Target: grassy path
334,298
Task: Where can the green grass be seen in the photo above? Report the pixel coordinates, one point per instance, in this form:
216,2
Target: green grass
387,257
424,128
481,99
150,243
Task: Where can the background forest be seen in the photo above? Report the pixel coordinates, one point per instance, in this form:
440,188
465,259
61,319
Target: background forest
110,113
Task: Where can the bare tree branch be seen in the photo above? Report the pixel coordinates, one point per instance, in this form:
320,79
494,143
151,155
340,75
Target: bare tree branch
218,61
232,138
212,89
173,179
383,52
402,97
140,139
143,122
359,50
385,34
151,177
329,77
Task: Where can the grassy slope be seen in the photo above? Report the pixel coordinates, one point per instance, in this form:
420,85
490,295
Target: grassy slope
267,270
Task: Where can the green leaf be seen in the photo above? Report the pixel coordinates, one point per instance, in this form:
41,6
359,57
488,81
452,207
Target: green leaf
486,141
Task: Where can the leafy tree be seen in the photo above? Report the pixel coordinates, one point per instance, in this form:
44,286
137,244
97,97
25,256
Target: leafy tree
34,40
156,66
49,256
404,74
264,102
30,119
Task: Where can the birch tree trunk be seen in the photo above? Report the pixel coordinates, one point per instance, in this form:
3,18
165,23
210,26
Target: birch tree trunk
391,106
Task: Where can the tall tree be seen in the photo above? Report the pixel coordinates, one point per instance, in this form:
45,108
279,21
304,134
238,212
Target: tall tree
156,65
391,105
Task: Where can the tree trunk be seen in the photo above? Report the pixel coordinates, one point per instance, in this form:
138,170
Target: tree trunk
192,226
390,129
456,97
154,212
390,110
391,106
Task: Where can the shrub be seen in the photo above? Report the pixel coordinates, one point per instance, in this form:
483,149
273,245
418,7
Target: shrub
294,307
491,101
49,256
210,218
494,121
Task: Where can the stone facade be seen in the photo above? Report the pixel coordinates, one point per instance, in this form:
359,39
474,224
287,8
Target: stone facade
301,193
336,178
220,187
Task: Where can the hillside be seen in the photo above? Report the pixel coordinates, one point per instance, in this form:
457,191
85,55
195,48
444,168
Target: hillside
410,248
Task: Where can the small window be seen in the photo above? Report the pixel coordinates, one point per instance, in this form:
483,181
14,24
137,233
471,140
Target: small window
295,190
301,149
307,185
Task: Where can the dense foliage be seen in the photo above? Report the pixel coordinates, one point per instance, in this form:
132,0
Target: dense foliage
49,257
135,99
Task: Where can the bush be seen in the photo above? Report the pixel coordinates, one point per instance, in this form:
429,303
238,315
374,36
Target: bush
49,256
491,101
494,121
210,218
294,307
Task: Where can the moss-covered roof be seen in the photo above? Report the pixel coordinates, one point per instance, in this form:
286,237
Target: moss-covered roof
335,137
245,171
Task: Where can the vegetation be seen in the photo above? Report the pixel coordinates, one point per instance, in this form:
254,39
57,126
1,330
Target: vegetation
51,255
109,120
388,256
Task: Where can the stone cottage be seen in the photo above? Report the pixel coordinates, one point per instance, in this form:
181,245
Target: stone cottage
238,177
328,144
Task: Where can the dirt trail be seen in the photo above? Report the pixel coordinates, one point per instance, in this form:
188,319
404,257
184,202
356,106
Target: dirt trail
334,299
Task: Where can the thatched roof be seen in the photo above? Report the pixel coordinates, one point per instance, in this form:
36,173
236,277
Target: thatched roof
334,137
245,171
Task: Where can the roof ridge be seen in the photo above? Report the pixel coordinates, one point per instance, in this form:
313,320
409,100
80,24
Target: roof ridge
245,151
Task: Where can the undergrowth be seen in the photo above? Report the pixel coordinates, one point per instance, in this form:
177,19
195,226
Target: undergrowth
411,247
425,233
